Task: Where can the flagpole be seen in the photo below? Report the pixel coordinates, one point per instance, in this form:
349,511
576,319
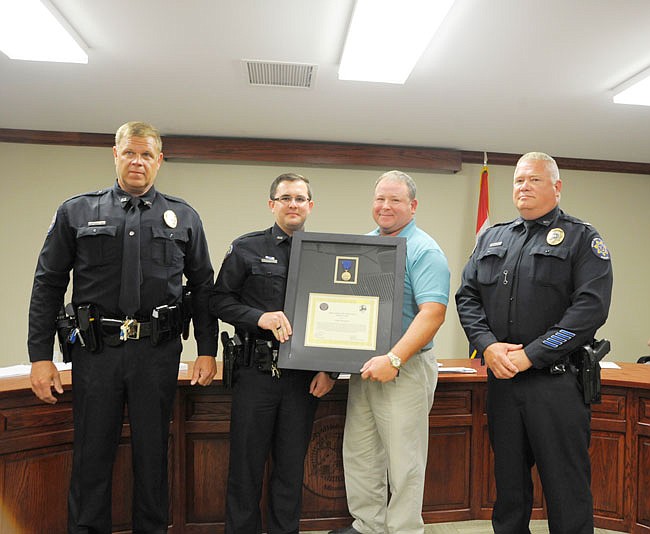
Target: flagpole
483,214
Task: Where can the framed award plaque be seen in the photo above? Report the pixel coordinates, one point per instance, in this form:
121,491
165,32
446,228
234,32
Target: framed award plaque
344,300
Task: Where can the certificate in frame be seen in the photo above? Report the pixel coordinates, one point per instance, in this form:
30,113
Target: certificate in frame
344,300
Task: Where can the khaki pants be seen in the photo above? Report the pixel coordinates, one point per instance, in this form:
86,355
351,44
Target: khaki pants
385,445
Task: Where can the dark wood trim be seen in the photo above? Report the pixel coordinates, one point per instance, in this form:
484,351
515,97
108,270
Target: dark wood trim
212,149
574,164
311,153
44,137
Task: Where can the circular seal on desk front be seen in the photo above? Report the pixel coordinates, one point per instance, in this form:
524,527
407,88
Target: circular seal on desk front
324,461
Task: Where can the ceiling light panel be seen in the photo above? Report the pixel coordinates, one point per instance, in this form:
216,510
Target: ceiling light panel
33,30
387,37
635,91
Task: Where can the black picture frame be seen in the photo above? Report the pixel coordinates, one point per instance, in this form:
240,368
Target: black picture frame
356,273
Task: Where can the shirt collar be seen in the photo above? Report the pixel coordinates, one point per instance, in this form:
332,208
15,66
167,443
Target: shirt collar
123,197
404,232
544,220
279,235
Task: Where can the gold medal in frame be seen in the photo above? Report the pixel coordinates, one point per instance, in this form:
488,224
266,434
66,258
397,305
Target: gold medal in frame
346,270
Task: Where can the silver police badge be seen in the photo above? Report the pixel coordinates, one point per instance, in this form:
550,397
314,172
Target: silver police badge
555,236
170,219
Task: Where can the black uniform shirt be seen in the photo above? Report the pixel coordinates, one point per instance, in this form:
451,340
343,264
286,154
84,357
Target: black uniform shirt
86,236
548,287
252,280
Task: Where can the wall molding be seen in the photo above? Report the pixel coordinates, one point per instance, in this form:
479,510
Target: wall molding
239,150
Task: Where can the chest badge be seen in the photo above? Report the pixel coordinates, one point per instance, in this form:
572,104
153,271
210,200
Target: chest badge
170,219
555,236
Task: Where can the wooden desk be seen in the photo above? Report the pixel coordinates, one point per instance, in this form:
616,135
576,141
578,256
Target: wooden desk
36,455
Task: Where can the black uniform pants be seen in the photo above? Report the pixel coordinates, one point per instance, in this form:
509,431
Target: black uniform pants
268,415
539,418
145,378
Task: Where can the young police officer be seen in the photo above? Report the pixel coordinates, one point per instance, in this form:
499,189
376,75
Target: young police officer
535,290
271,411
128,246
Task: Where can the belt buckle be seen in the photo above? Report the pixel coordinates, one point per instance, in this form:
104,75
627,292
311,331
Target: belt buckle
129,329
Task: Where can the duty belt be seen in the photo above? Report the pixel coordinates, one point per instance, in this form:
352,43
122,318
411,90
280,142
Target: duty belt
259,353
93,329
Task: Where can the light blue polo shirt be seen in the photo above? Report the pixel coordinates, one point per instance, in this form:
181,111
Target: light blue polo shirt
427,273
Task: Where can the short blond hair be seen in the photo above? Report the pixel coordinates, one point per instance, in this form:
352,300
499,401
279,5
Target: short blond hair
551,164
138,129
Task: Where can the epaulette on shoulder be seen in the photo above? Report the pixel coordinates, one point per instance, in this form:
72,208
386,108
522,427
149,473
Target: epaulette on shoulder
500,225
573,219
174,199
256,233
97,193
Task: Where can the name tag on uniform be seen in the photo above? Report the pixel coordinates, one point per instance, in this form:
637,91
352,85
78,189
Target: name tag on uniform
496,244
268,259
96,223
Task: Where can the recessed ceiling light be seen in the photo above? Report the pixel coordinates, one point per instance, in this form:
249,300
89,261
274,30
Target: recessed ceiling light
33,30
635,91
387,37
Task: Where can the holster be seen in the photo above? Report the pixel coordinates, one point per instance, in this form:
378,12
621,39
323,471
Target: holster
187,311
585,360
88,321
232,349
66,325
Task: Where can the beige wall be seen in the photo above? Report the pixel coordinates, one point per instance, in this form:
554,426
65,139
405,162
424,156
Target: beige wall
232,200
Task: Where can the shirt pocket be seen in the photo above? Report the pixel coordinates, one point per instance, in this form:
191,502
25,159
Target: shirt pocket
271,279
490,264
168,246
550,265
97,245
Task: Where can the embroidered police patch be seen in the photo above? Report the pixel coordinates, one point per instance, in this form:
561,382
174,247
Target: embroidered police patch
51,227
599,248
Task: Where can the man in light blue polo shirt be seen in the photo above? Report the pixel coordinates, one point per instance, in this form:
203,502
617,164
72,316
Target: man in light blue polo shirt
386,436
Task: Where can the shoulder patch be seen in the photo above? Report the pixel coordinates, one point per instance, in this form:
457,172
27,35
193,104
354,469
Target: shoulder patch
599,248
51,227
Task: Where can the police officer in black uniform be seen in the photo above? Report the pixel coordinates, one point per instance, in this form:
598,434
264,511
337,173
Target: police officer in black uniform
535,290
128,247
272,410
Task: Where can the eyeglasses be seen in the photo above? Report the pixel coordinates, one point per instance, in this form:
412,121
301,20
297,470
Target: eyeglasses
287,200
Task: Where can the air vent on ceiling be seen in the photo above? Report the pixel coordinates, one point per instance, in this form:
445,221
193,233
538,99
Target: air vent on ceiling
279,74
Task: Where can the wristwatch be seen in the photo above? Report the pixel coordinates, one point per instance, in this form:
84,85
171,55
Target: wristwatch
394,360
